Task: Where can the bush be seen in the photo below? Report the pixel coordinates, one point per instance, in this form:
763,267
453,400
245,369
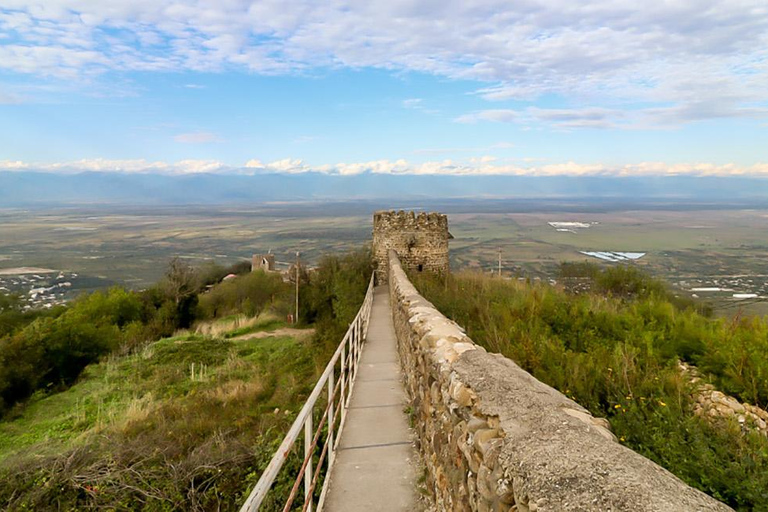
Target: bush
335,291
249,294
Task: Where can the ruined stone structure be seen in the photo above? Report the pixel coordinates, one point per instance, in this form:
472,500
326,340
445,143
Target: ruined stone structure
714,404
493,438
420,240
265,262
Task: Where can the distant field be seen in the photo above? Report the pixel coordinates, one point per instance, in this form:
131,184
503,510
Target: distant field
132,246
712,247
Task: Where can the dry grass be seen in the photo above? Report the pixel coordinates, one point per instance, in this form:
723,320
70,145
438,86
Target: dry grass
219,328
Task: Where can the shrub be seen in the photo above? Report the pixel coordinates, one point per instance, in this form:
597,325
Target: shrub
249,294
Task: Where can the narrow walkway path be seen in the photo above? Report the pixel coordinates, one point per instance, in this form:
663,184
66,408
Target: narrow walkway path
375,468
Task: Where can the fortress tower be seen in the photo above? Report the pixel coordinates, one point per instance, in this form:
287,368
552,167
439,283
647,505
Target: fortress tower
420,240
265,262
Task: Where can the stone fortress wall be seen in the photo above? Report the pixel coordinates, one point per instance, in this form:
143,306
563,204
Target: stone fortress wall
421,241
493,438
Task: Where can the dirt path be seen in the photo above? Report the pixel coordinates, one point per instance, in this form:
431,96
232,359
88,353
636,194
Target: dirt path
283,331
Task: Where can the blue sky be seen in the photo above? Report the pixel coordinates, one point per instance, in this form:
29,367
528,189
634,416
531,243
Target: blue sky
487,87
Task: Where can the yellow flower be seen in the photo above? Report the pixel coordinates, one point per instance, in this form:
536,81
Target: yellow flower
617,406
621,439
661,403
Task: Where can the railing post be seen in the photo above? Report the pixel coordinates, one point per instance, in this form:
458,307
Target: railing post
329,440
308,432
352,356
343,400
358,333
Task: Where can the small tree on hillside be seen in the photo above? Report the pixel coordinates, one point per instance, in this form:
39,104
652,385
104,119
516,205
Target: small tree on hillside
180,286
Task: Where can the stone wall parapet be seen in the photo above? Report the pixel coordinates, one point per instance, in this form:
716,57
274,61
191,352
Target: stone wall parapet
494,438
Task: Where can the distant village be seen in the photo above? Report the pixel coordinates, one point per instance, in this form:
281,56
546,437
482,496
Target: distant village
39,288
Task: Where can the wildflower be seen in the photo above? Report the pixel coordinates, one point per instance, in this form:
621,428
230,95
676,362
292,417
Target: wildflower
622,439
617,406
661,403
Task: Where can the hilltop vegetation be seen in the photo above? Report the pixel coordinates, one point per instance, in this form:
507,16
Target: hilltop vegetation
616,351
187,422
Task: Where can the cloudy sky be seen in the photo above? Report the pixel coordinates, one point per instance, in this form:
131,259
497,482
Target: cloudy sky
481,86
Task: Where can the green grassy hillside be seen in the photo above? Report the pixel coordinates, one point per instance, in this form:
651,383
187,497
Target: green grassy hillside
174,424
616,351
187,422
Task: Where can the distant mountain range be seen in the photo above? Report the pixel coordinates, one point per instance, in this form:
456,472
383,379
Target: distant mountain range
39,188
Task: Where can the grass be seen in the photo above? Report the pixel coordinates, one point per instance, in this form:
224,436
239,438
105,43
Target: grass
140,430
237,325
264,325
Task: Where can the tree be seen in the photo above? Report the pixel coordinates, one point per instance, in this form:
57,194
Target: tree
180,286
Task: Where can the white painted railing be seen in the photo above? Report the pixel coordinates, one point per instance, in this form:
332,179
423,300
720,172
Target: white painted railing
339,391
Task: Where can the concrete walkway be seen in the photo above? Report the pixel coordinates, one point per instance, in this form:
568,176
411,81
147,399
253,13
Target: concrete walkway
375,467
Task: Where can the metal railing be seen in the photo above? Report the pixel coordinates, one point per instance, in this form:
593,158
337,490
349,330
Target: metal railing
339,392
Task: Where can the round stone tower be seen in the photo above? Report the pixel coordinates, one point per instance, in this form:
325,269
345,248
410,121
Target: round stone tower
420,240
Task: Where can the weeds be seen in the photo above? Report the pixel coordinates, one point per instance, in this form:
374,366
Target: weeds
616,352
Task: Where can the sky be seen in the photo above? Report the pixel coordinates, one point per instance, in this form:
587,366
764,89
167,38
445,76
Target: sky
432,87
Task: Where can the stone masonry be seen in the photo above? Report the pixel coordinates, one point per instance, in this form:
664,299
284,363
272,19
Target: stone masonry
714,404
493,438
265,262
420,240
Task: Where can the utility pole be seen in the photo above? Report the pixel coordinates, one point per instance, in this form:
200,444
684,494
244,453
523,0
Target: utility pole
296,318
499,262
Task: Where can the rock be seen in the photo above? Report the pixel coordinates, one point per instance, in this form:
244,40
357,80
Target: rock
476,423
461,394
481,439
484,486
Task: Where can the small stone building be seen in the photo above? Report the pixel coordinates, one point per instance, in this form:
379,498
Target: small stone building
420,240
265,262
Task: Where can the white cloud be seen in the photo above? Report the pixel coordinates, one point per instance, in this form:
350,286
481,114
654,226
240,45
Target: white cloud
604,118
412,103
254,164
199,166
591,117
498,115
13,165
680,54
126,166
288,165
485,165
197,138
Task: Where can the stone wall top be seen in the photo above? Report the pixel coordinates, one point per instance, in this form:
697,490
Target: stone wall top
408,220
534,448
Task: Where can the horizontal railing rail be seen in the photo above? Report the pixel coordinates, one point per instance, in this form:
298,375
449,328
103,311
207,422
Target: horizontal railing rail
339,391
